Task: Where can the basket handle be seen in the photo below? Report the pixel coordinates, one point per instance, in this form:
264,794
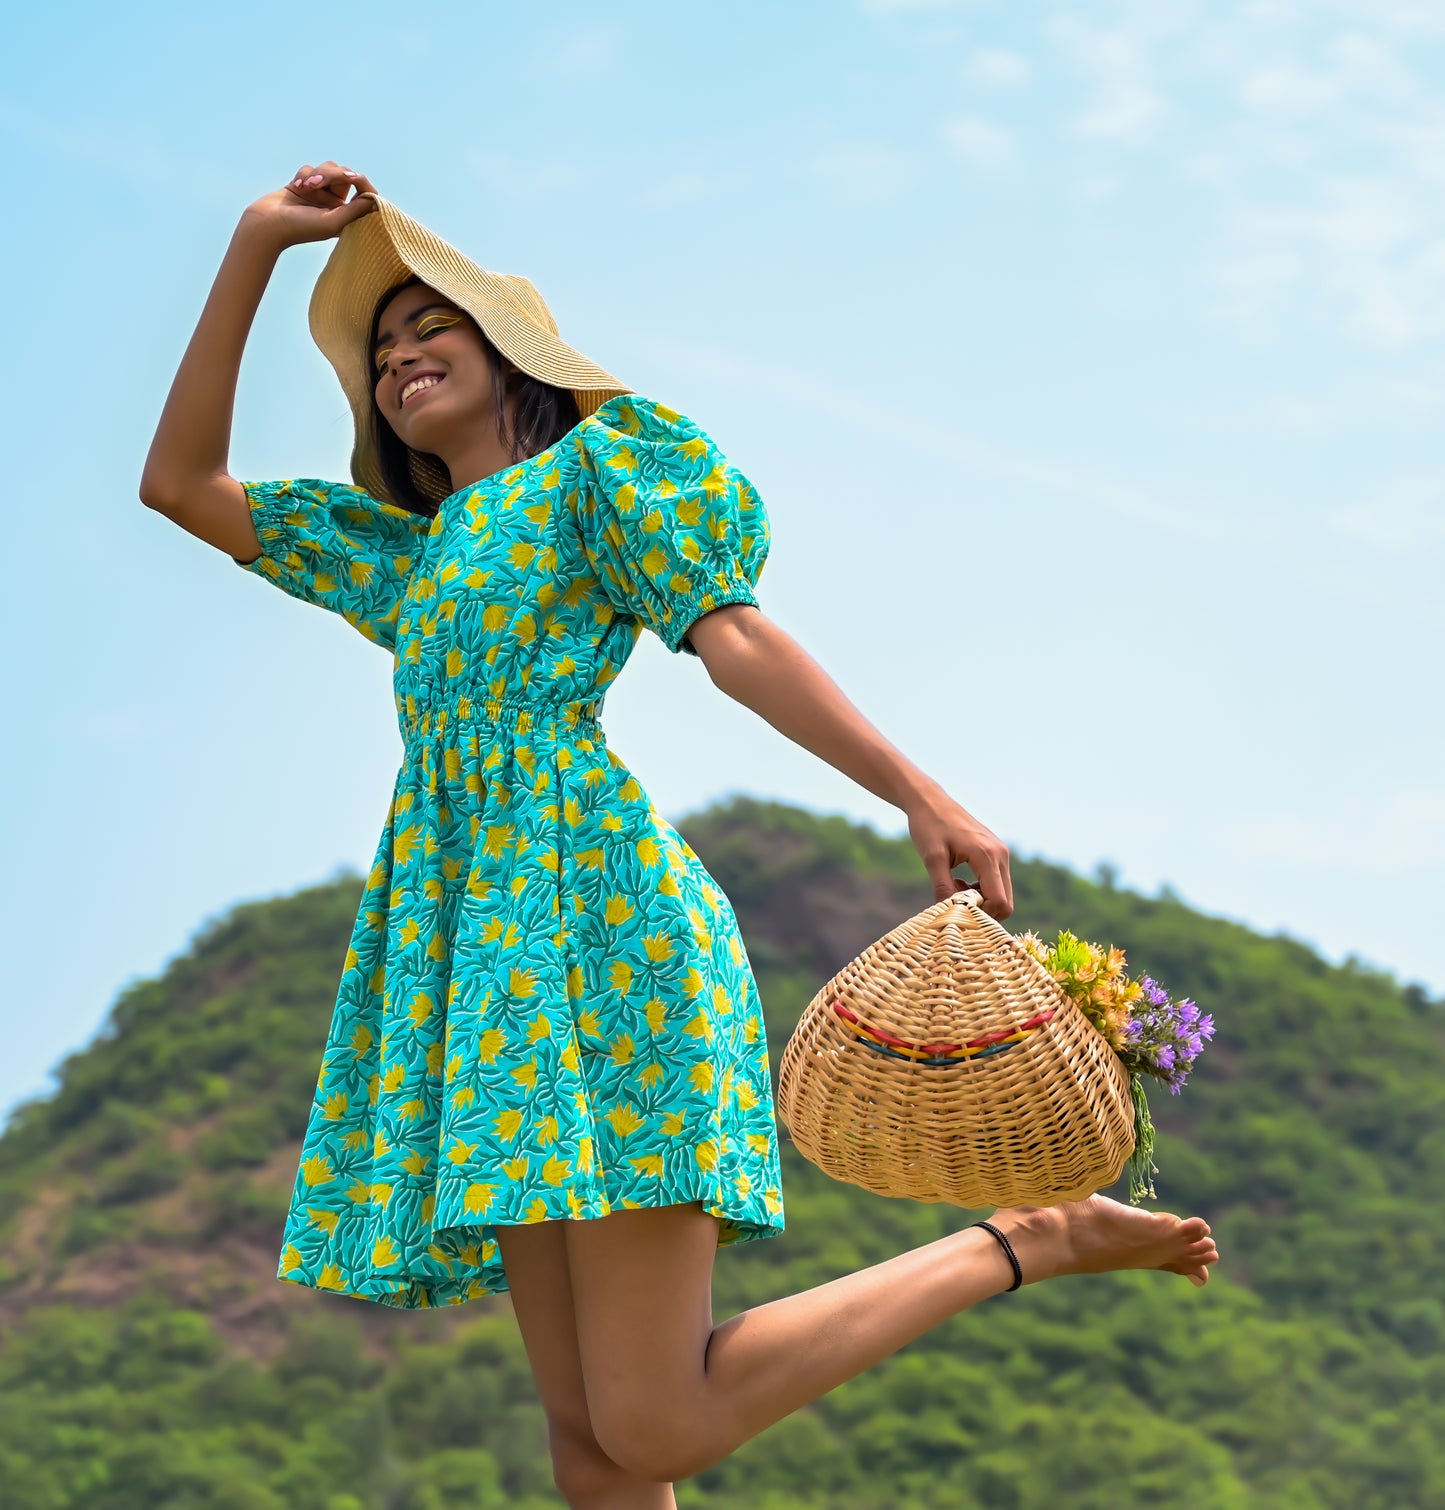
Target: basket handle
969,894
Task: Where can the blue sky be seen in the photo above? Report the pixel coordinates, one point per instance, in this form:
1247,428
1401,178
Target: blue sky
1090,359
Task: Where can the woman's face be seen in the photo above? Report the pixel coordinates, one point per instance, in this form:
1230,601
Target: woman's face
433,379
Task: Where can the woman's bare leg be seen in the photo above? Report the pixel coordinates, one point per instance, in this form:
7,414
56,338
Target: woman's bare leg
535,1258
670,1394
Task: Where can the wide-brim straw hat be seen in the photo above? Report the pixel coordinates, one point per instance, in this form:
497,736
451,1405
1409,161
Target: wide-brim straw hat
384,248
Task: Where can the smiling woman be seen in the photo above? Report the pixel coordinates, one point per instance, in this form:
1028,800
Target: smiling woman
417,339
547,1066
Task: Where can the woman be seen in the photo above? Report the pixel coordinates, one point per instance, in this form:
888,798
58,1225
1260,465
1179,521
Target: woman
547,1070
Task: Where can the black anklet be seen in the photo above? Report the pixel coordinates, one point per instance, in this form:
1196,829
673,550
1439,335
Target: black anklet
1008,1249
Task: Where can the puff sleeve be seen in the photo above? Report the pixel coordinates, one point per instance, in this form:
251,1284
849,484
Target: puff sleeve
671,528
335,546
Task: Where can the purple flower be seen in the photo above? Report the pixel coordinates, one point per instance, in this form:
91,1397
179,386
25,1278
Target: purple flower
1165,1037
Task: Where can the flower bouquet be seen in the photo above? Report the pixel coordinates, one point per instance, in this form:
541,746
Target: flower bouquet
1151,1034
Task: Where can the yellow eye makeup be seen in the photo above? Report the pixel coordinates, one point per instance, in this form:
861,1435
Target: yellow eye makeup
426,326
437,322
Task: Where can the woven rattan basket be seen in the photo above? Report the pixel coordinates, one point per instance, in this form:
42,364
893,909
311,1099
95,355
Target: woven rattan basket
945,1064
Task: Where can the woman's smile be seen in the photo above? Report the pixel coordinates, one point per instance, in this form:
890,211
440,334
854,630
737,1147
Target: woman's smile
419,383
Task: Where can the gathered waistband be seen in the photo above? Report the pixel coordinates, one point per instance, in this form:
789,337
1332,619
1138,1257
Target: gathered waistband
432,712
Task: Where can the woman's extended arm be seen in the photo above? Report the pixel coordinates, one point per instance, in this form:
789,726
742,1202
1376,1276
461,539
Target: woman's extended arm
763,667
186,476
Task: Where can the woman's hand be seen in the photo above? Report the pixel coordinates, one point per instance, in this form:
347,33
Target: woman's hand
313,206
946,835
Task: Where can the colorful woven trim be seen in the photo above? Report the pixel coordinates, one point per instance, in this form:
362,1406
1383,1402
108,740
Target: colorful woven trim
941,1053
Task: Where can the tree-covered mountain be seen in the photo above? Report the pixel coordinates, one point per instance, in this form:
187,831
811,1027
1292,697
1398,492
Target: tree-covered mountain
149,1359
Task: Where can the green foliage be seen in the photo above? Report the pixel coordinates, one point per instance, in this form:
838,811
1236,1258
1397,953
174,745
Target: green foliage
1310,1373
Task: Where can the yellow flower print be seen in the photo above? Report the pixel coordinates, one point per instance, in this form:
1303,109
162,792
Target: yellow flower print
384,1253
479,1198
556,1170
317,1171
532,931
624,1119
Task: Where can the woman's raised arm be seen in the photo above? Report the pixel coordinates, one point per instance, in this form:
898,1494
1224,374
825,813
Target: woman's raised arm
186,476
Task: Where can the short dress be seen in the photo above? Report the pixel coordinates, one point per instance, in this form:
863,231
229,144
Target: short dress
546,1010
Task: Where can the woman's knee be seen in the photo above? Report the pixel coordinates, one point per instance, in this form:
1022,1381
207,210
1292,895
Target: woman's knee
646,1446
584,1474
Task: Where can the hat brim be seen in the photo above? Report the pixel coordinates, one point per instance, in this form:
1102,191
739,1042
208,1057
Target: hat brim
384,248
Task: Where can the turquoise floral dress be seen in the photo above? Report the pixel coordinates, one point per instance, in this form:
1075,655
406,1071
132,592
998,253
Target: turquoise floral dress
546,1010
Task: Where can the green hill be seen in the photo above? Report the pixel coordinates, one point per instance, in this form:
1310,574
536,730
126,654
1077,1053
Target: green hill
149,1360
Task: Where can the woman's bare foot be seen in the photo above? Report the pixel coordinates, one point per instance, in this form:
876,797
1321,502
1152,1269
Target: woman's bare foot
1097,1235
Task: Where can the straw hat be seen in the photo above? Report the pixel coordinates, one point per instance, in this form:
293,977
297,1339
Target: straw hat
386,247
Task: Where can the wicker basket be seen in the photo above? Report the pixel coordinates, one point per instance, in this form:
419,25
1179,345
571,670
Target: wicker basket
945,1064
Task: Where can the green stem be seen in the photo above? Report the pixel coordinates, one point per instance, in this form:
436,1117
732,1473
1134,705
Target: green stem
1142,1167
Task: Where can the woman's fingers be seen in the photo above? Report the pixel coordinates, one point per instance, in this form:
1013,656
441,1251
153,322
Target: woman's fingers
325,185
991,865
946,835
353,209
328,182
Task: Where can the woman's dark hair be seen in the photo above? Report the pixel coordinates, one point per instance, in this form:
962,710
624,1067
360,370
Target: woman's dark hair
541,415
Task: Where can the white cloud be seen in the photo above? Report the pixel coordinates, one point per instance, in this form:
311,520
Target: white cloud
1095,189
1411,18
997,67
1211,519
518,176
1289,88
1404,831
889,7
1303,144
1355,67
581,53
1406,515
1123,101
865,175
1373,398
1369,253
1124,111
980,142
1207,167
